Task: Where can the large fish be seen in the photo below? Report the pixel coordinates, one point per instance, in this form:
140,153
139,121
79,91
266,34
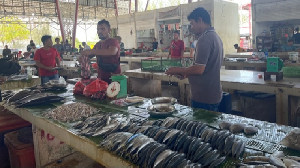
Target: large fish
38,99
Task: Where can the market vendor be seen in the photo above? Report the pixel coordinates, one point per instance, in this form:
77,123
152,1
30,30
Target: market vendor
204,75
107,51
47,59
6,52
176,49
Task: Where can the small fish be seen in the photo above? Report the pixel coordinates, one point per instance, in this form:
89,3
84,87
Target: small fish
236,128
224,125
277,162
250,130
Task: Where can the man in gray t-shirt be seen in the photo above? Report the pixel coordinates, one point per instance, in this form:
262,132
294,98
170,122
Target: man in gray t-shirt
204,75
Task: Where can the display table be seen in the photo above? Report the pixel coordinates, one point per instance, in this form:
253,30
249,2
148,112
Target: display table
149,84
269,135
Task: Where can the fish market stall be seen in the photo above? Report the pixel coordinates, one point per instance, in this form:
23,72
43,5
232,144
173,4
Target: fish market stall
286,91
144,132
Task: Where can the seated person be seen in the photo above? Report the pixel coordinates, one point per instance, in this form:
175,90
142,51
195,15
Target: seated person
239,49
289,47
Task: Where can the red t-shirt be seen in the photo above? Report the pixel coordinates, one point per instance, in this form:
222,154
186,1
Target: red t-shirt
176,48
47,58
112,59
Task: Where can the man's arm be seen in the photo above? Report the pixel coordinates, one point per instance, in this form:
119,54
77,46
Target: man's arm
40,65
112,50
186,72
182,49
57,61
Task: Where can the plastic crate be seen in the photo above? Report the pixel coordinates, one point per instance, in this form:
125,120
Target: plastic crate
291,72
159,64
21,155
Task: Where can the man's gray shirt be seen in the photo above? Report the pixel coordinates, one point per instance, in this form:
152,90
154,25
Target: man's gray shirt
206,88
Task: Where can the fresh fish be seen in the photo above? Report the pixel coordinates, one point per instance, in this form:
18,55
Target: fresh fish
155,154
250,130
224,125
277,162
166,121
176,160
205,133
170,134
217,162
228,144
257,158
237,128
105,129
38,99
163,155
20,95
209,158
209,135
193,129
291,163
278,154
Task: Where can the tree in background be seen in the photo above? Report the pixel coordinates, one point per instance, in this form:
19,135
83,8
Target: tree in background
39,31
12,34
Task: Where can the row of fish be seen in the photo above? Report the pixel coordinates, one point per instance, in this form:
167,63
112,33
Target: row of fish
222,140
26,97
102,125
145,152
238,128
194,148
72,112
277,159
33,96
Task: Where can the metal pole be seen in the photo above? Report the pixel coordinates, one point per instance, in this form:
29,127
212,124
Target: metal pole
129,7
136,6
116,7
62,31
75,24
147,5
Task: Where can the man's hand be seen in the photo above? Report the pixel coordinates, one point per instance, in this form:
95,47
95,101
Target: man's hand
176,71
87,52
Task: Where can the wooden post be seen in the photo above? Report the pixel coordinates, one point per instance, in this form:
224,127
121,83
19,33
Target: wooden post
136,6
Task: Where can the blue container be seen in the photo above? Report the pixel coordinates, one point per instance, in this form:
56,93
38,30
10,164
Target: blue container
225,105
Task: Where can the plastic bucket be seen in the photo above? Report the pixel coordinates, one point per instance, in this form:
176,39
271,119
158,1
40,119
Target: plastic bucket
122,79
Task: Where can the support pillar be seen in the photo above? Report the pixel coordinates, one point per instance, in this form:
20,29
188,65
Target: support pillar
62,31
75,24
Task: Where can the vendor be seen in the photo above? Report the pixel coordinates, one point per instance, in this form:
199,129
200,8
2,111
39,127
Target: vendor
47,58
176,49
6,52
204,75
289,47
58,46
107,51
154,44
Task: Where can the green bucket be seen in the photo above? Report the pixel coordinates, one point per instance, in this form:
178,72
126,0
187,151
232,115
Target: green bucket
122,79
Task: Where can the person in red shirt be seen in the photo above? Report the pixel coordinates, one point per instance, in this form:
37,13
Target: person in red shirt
176,49
107,51
47,58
